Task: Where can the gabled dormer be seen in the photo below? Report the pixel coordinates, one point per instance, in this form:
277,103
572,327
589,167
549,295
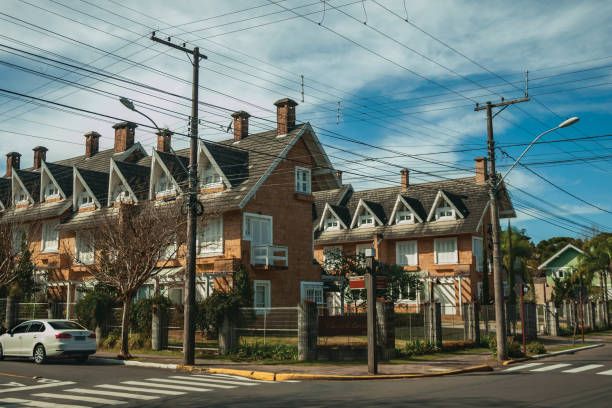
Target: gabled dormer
365,217
165,169
128,183
51,189
443,209
403,212
211,164
20,193
89,189
330,220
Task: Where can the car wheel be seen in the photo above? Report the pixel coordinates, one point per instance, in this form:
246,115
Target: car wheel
39,354
81,358
1,353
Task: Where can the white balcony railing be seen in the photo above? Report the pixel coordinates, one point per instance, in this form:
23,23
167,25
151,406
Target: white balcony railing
269,255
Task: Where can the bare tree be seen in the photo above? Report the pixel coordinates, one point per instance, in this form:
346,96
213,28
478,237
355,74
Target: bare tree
132,245
9,251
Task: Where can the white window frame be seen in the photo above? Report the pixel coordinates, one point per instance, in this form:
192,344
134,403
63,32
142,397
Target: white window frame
169,189
302,186
477,251
53,195
404,213
314,286
25,200
365,219
331,218
120,193
246,227
330,249
47,245
84,258
267,297
88,204
445,206
19,234
437,242
210,248
170,251
407,260
209,171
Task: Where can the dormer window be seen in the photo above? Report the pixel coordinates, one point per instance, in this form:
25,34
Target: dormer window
365,219
86,200
51,191
164,187
332,223
210,177
444,211
21,198
120,194
404,216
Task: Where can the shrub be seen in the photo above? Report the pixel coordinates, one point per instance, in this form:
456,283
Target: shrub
111,340
95,309
514,347
141,313
259,351
419,347
139,341
535,347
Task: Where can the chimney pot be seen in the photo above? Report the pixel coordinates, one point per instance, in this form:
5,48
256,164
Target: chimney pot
124,135
13,160
40,155
241,125
285,115
339,175
405,178
164,139
92,143
481,170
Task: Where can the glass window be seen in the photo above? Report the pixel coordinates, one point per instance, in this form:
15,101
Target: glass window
258,229
406,253
22,328
164,186
210,237
261,294
36,327
19,236
477,252
445,251
365,219
84,247
302,180
210,177
50,237
444,211
51,191
404,216
331,223
21,197
85,200
66,325
312,291
120,194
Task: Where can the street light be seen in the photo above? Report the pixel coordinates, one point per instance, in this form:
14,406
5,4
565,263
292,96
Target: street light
130,105
566,123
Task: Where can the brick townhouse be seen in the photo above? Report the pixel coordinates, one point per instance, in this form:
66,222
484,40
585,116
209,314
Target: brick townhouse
434,229
256,190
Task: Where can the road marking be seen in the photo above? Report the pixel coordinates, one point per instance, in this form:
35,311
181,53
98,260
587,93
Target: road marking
36,387
583,368
198,381
224,381
80,398
521,367
174,387
233,377
609,372
41,404
112,394
550,368
138,389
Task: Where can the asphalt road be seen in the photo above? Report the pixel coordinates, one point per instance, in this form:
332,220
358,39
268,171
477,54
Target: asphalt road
579,380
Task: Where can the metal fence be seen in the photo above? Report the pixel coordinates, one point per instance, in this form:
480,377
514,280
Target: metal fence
270,325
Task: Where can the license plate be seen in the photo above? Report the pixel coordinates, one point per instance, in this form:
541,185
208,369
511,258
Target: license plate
79,338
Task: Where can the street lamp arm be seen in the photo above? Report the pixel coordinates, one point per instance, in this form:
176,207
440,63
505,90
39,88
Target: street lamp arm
152,121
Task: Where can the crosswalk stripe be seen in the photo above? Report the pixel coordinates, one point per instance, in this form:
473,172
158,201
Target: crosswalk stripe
609,372
174,387
30,403
189,383
550,367
201,381
36,387
112,394
583,368
138,389
80,398
522,367
223,381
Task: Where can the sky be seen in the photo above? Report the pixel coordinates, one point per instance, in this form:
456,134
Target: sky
386,85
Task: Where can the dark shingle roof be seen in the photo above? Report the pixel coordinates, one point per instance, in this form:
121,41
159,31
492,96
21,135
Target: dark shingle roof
5,192
234,163
98,183
31,181
332,197
177,164
98,162
63,175
137,177
88,219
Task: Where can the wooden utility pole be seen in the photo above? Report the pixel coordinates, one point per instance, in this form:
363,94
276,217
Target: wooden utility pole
189,296
371,299
500,318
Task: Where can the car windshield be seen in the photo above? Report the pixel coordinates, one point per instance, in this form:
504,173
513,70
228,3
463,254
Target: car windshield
66,325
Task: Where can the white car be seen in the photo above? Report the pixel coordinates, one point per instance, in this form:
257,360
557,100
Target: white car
44,338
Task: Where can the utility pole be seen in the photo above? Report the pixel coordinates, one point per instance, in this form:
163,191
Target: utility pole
371,301
498,290
189,297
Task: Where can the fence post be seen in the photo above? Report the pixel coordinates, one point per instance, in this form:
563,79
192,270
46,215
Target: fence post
12,304
433,324
227,336
531,323
159,328
552,319
52,310
308,321
385,319
471,323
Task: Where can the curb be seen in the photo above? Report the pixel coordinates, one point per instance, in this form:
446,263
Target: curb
112,361
556,353
268,376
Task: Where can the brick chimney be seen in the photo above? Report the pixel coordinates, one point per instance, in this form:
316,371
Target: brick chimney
124,136
13,160
92,143
481,170
339,175
285,115
405,178
164,139
40,155
241,125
